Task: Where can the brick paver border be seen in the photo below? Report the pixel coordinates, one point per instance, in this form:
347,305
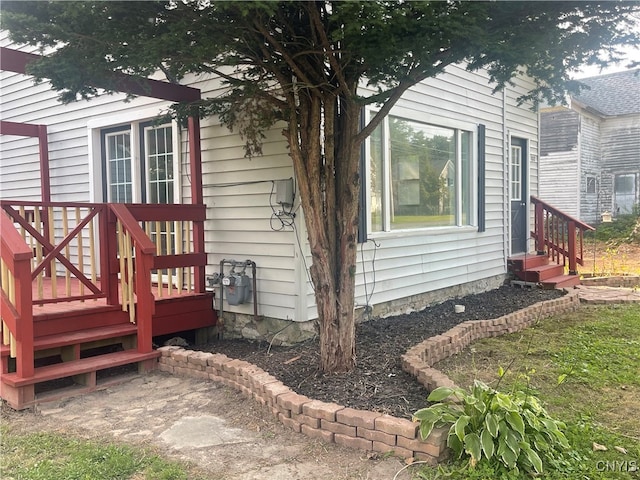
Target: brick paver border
621,281
360,429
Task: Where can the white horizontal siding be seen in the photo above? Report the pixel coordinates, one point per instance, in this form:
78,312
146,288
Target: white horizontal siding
239,216
239,212
559,181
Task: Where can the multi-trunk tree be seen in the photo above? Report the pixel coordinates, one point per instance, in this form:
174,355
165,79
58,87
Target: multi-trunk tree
307,66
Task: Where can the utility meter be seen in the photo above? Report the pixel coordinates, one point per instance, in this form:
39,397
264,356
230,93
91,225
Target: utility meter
237,287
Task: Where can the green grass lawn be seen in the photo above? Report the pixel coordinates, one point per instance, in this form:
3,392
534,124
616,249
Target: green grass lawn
585,367
53,456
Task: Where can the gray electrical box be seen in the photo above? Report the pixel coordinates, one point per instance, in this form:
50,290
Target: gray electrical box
284,192
237,287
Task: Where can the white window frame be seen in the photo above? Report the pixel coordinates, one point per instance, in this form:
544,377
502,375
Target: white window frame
133,122
515,180
459,127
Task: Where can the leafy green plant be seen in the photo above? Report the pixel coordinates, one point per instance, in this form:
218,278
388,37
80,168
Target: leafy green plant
511,432
618,231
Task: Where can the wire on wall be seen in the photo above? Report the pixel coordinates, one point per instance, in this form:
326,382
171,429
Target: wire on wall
281,218
367,295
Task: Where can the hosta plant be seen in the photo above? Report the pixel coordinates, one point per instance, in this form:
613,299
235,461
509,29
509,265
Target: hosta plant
510,431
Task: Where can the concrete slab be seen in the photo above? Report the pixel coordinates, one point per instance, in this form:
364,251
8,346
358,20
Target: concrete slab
204,431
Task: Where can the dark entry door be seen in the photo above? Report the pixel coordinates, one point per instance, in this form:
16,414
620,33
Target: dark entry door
518,195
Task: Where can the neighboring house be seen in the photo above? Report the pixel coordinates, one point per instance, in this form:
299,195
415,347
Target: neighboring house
590,152
448,177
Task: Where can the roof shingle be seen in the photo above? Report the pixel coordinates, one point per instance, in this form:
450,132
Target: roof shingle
612,94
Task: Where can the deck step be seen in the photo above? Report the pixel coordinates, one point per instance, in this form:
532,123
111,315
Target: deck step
540,273
79,337
561,281
524,262
78,367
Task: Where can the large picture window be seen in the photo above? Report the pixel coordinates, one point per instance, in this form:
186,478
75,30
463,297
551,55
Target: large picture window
420,176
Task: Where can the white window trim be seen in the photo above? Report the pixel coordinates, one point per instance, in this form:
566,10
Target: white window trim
512,197
94,128
458,126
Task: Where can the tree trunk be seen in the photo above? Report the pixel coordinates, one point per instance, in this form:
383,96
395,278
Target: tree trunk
329,190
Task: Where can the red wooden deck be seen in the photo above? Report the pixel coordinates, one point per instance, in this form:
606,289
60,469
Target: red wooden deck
175,311
104,305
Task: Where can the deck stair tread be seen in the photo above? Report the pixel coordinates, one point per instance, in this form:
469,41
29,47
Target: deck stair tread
524,262
561,281
540,273
537,269
78,337
77,367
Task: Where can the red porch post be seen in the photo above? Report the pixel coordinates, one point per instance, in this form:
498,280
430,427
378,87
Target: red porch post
108,255
18,314
539,228
43,146
571,234
195,163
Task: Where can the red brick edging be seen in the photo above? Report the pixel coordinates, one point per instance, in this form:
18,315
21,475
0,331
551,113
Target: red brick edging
419,360
624,281
361,429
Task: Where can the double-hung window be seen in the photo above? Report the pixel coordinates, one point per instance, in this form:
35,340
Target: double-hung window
139,166
138,163
420,175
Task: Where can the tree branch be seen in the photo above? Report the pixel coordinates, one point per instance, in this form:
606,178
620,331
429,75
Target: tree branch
329,52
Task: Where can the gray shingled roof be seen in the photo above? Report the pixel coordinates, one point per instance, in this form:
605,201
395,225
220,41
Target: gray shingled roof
612,94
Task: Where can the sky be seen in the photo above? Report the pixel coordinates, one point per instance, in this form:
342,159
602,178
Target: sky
632,54
592,70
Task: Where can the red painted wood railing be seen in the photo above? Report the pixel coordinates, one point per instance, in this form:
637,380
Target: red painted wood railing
15,296
559,235
68,239
135,277
48,244
78,241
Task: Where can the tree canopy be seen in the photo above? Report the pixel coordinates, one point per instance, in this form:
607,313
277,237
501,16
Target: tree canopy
304,64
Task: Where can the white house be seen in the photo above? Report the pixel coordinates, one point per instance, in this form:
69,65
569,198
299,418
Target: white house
590,151
426,237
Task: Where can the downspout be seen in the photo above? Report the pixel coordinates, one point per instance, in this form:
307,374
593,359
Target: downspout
505,180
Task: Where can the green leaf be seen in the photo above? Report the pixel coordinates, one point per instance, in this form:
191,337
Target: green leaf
472,445
533,457
540,443
426,426
513,443
501,372
502,401
440,394
491,424
460,425
503,428
550,424
454,443
502,446
488,446
426,414
509,458
515,420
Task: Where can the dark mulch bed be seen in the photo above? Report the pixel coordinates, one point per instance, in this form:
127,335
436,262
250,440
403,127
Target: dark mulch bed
378,382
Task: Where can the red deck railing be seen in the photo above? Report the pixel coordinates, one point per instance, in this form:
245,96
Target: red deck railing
122,254
15,304
559,235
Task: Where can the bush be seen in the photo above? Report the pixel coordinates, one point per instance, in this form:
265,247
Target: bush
624,228
506,432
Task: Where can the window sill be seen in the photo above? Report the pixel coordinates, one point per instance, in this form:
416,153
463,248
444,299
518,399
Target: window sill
417,232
